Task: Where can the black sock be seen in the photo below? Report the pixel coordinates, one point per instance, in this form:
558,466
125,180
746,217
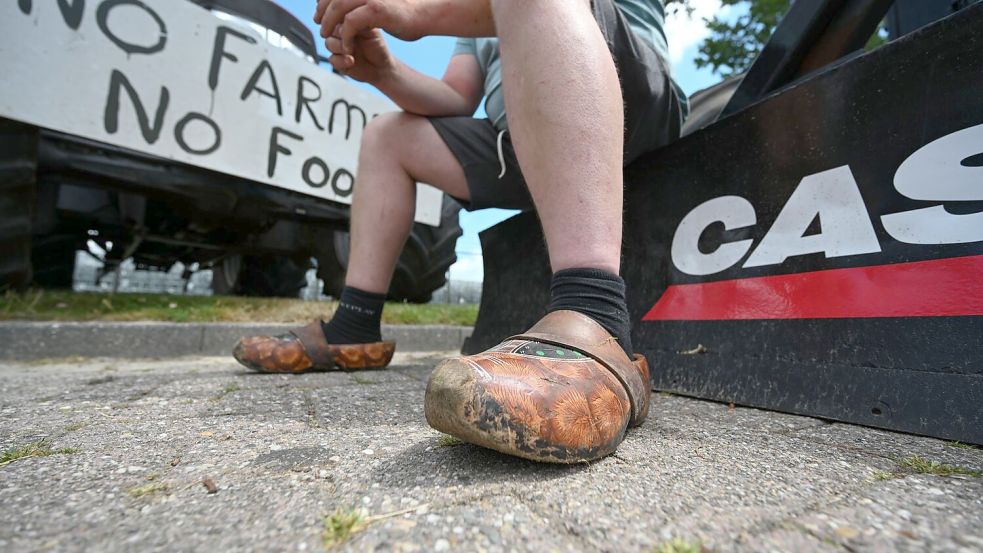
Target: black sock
357,319
598,294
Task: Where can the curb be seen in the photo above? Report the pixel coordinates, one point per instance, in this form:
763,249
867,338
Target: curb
26,341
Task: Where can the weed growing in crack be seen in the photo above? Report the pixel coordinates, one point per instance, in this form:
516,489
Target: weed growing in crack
40,448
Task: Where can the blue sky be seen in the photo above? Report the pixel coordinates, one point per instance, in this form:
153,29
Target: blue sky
430,56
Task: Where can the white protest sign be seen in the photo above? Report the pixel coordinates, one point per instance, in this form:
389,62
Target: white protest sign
168,78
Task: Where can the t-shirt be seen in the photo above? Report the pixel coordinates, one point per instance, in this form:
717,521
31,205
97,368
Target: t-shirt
645,17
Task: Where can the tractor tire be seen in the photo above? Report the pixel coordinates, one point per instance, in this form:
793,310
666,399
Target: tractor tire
422,267
225,275
271,276
18,170
53,260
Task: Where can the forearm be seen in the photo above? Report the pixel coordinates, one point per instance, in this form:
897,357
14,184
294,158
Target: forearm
417,93
460,18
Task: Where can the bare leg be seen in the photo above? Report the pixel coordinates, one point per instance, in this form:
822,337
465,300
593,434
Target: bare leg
397,151
564,106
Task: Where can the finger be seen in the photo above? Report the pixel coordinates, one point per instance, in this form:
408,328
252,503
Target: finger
341,62
333,44
319,10
335,13
357,21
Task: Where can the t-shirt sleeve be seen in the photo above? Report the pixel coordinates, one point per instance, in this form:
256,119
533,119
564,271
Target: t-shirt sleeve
466,46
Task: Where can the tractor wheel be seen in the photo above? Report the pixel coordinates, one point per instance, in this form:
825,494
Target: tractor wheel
225,275
53,260
18,167
271,276
422,266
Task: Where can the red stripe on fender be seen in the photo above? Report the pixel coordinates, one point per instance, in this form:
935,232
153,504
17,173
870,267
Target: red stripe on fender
941,287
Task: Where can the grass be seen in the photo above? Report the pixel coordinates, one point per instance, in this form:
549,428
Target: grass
919,465
448,441
40,448
960,445
881,475
75,426
49,305
362,380
678,545
148,489
341,524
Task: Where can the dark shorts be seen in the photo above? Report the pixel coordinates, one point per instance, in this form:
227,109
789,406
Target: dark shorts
653,117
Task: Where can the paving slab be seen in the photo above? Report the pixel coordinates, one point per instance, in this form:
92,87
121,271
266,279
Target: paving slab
134,440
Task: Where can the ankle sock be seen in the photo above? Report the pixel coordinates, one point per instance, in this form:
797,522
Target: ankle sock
598,294
358,318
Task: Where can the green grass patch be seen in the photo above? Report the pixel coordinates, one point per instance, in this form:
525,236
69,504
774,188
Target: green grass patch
678,545
40,448
448,441
919,465
959,445
76,426
341,524
147,490
882,475
48,305
361,380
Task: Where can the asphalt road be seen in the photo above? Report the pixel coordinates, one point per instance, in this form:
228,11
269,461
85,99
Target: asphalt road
132,442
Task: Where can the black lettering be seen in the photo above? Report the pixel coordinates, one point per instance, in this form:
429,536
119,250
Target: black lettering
102,17
193,116
219,52
111,116
306,173
303,101
71,12
264,67
349,108
343,192
276,148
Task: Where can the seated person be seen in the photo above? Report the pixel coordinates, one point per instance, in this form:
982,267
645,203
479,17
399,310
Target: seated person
558,132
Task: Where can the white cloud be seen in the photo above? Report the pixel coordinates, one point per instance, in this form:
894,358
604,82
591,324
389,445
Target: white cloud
468,267
687,31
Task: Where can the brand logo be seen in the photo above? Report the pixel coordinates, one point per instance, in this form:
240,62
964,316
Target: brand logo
949,169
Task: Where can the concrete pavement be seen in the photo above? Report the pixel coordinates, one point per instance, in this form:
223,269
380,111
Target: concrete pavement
132,442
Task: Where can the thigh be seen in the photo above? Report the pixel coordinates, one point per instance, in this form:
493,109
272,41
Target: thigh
488,158
423,154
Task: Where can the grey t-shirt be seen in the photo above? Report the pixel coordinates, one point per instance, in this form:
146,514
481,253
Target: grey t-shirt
646,18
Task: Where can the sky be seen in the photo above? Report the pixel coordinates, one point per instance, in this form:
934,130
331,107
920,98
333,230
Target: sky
431,54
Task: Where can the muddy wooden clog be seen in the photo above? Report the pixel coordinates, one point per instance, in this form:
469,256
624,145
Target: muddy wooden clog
305,349
563,392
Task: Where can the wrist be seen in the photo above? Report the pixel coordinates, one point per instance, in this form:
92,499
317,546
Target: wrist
388,75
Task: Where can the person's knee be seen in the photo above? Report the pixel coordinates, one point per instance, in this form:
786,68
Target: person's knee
384,134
